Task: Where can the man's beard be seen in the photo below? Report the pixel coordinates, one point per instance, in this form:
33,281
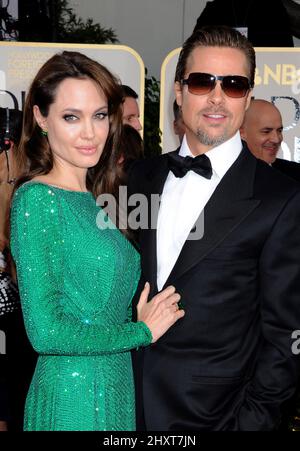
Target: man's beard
212,141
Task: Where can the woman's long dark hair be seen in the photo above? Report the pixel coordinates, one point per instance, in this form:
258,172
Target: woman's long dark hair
34,155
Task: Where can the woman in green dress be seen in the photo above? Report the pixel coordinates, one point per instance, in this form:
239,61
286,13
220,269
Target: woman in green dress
76,280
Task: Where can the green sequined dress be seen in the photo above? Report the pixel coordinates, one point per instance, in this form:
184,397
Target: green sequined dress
76,283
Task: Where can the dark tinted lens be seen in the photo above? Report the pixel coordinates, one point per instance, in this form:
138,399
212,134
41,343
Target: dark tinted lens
235,86
200,83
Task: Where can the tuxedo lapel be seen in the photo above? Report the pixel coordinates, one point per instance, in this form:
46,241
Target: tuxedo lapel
229,205
154,184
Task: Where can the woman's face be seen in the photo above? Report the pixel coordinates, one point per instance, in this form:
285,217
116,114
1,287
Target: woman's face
77,124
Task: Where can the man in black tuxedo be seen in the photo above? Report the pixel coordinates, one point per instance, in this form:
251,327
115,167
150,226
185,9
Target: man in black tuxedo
227,237
262,131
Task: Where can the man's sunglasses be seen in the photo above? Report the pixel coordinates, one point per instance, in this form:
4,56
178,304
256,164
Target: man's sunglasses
234,86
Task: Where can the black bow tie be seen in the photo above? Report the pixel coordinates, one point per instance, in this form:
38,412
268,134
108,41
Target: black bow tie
181,165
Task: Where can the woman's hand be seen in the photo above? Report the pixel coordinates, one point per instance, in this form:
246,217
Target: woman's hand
161,312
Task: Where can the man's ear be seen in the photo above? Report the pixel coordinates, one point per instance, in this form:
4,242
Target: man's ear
249,98
178,93
242,133
242,127
40,119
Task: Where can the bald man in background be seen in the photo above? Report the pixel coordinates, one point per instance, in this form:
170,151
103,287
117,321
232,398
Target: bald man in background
262,131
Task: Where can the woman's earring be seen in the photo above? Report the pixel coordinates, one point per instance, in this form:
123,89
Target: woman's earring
44,132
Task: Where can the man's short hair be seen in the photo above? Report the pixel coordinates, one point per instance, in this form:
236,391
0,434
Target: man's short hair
216,36
129,92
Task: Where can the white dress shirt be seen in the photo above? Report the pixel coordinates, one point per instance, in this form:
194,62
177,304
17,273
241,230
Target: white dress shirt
182,201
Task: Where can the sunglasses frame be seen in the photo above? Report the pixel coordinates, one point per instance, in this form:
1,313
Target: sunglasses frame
215,78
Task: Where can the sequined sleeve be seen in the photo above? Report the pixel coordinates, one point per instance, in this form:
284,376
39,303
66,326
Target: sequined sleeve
36,242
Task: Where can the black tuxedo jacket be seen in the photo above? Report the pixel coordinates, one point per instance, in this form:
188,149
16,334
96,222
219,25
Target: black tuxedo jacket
228,364
289,168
